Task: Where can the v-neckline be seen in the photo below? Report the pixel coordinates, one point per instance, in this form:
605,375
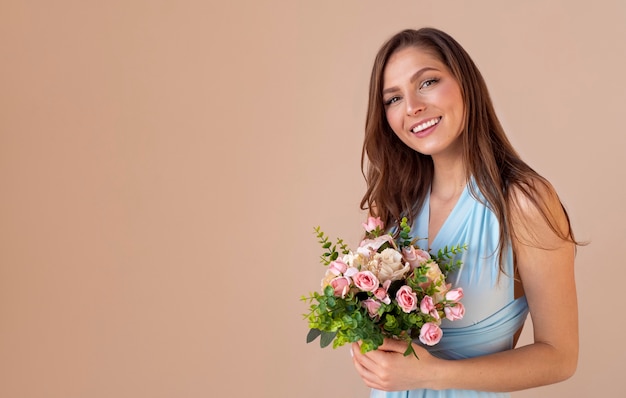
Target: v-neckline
432,240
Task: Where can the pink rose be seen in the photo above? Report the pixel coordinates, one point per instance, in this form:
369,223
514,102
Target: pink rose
415,257
456,312
373,224
407,299
372,307
341,286
337,267
381,292
366,281
430,334
427,305
369,246
455,295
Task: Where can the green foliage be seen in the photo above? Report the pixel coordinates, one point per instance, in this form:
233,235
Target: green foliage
446,258
313,334
345,320
331,253
327,338
405,233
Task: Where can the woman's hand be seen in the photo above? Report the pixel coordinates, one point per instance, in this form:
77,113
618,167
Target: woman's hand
388,369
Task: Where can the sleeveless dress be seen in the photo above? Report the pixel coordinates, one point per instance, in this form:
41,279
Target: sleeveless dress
492,314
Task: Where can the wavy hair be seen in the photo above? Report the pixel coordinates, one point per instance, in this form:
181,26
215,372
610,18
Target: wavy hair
398,177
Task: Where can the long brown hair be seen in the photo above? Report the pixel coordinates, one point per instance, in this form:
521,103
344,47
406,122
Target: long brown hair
398,177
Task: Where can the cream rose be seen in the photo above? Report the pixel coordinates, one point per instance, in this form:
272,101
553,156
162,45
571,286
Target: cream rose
437,278
388,265
327,278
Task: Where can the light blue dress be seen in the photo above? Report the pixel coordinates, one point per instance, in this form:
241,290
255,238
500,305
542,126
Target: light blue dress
492,314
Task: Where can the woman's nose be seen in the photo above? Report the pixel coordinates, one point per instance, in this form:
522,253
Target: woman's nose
414,104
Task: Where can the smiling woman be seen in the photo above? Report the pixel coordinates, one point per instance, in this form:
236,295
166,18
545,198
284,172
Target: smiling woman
419,91
438,155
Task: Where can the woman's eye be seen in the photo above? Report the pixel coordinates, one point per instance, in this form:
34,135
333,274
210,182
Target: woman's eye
428,83
392,100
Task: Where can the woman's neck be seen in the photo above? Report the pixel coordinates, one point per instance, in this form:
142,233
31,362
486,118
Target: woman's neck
449,179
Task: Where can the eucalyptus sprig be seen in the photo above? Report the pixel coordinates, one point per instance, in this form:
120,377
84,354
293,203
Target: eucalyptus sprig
405,233
446,257
331,253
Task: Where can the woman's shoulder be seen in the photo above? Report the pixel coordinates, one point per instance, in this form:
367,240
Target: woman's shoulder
531,192
536,209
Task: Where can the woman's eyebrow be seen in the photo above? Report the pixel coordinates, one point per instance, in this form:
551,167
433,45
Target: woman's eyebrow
413,78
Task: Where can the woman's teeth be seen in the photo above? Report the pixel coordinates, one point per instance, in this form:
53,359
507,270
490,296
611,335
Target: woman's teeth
425,125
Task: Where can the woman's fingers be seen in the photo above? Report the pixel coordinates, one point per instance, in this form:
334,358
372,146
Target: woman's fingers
365,367
394,345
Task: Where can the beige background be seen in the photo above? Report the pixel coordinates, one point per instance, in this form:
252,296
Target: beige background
163,164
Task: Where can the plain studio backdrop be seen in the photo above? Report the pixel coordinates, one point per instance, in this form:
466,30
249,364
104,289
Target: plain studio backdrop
163,164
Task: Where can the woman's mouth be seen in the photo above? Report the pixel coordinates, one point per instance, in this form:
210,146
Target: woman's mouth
423,126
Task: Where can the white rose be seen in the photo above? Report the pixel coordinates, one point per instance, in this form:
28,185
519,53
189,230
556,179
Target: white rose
369,246
355,260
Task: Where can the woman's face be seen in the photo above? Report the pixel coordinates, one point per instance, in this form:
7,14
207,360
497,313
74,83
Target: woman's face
423,102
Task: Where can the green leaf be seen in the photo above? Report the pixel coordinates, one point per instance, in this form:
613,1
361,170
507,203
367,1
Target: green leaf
327,338
410,350
312,335
384,246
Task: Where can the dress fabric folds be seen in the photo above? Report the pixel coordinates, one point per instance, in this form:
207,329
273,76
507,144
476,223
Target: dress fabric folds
492,314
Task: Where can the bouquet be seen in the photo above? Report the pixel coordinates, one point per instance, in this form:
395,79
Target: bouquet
386,288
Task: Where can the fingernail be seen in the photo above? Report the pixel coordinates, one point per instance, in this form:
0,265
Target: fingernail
351,352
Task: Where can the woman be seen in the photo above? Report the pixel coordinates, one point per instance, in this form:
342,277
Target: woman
437,154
